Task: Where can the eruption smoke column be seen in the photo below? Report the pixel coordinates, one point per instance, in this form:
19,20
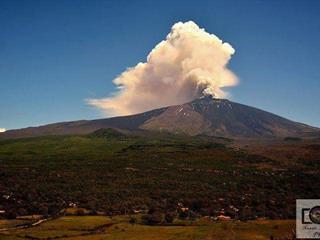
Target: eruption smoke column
188,64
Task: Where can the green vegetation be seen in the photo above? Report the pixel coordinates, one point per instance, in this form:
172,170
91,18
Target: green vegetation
117,228
292,139
108,133
110,173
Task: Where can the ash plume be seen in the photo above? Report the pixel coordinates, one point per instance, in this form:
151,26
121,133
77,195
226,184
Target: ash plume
188,64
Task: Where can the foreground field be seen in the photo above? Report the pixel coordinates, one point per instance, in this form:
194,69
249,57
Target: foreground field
100,227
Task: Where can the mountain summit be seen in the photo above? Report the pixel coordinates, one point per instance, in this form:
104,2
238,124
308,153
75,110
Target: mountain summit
221,117
206,115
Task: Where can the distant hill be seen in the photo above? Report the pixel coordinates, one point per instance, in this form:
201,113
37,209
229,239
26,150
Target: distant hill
203,116
107,133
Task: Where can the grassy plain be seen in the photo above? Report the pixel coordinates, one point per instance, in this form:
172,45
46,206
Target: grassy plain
118,228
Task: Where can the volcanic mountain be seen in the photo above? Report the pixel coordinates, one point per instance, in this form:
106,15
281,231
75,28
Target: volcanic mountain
203,116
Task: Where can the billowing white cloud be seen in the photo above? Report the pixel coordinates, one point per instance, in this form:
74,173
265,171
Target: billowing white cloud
189,63
2,130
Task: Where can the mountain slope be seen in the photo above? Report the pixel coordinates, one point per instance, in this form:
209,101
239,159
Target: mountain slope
209,116
127,123
221,117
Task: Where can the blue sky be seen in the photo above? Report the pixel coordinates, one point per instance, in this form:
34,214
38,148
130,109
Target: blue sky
56,54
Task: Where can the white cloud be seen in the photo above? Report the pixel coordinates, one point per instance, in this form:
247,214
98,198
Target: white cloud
189,63
2,130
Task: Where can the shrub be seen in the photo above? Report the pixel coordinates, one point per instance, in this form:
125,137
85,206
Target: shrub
80,212
183,215
152,219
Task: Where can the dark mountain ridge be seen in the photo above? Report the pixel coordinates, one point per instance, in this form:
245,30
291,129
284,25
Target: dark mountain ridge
206,116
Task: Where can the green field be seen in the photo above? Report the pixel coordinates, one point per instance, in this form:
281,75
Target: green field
117,228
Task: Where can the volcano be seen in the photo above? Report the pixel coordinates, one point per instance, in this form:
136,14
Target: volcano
204,116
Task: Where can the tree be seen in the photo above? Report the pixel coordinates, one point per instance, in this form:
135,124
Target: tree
22,212
133,220
11,214
152,219
44,210
246,214
169,217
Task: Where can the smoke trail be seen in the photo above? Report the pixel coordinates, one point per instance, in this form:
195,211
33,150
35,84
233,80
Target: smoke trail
189,63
